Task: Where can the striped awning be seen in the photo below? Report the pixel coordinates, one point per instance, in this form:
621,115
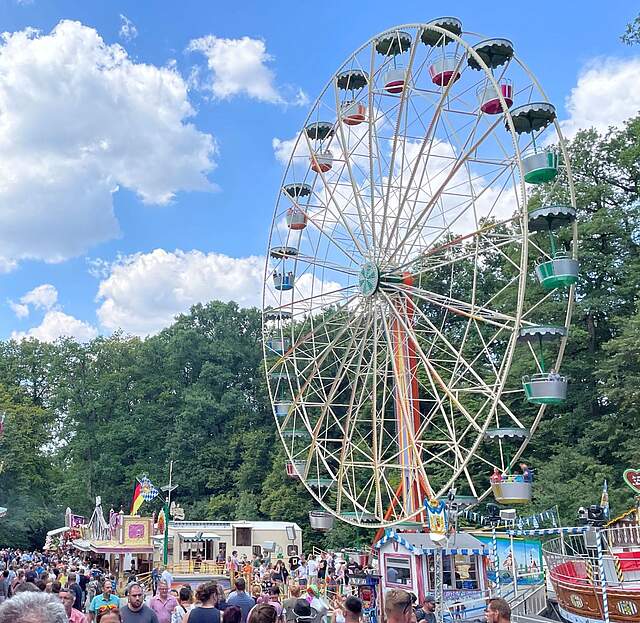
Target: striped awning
459,543
197,537
548,531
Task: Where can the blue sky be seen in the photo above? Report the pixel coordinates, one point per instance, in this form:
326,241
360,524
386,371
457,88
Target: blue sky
305,43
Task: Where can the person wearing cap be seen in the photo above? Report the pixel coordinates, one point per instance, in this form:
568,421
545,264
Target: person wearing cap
303,612
397,606
427,612
289,603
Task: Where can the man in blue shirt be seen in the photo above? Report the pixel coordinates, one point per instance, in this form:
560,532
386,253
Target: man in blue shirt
240,599
102,602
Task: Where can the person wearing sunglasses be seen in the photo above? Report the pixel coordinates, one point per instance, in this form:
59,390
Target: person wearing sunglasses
398,606
104,601
498,611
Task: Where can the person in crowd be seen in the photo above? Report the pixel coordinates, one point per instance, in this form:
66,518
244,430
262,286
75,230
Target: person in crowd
155,578
5,586
76,590
263,613
320,607
302,612
31,606
240,599
67,597
427,612
166,576
109,616
231,614
498,611
185,603
312,570
207,610
397,606
162,603
352,610
135,610
104,601
289,603
302,573
274,600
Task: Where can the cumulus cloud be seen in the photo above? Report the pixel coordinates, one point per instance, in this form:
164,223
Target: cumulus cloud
144,292
241,67
41,297
57,324
128,30
607,93
79,119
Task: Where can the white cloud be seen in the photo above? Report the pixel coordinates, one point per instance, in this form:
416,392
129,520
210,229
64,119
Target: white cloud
241,66
128,30
57,324
79,119
607,93
145,291
20,310
41,297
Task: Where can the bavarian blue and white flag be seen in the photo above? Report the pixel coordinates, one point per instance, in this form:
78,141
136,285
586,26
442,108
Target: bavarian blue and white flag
148,491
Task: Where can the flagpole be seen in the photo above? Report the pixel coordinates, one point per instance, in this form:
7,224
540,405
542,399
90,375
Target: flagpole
165,548
167,504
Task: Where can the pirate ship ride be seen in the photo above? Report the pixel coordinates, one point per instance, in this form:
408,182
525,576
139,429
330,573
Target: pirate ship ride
595,570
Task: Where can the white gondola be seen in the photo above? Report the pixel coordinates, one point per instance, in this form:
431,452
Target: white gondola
445,70
321,161
282,408
296,219
489,97
283,281
512,490
321,520
394,80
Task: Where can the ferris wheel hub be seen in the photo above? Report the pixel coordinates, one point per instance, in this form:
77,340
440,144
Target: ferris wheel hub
369,279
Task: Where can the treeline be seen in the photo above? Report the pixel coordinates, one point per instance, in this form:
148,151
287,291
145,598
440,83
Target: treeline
86,419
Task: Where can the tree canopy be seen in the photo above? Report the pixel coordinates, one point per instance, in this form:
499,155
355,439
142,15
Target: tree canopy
86,419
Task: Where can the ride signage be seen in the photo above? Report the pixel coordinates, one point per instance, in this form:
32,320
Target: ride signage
632,478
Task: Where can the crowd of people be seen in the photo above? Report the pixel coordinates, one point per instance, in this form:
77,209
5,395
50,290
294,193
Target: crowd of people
40,588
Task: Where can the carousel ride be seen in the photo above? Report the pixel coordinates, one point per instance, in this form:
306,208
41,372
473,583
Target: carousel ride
408,275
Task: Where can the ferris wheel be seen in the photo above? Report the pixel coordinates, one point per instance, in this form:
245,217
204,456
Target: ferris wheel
415,313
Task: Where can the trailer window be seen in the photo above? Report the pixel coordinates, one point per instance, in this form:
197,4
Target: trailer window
243,537
398,571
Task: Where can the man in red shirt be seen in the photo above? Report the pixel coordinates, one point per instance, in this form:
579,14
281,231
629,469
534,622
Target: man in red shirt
163,603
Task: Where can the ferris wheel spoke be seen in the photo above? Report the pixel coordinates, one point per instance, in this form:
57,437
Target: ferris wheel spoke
461,361
432,371
422,216
339,377
428,138
460,210
455,306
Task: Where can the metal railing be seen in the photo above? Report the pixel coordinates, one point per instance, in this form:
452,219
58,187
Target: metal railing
205,567
532,601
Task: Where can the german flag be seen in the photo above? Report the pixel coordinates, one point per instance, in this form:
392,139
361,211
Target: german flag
138,499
